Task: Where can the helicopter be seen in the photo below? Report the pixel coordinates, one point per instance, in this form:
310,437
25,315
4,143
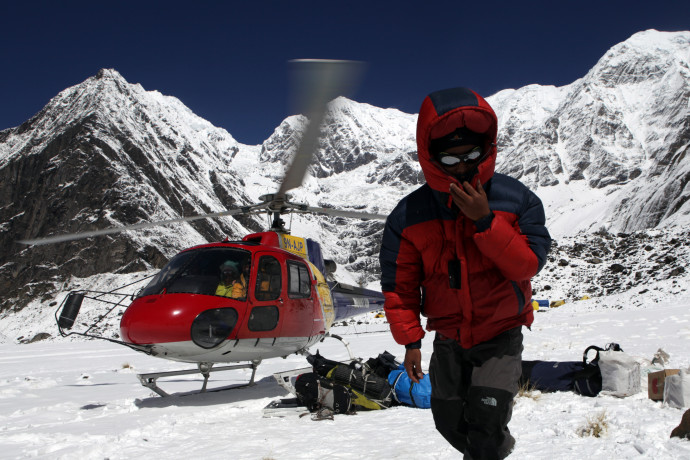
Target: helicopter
282,300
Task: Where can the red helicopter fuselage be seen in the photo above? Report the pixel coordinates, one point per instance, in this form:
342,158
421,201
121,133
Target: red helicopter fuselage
285,305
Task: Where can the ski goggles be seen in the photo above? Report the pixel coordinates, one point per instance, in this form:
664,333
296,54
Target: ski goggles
451,159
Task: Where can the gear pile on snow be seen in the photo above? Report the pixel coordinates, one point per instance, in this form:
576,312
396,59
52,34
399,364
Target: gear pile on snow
368,389
344,388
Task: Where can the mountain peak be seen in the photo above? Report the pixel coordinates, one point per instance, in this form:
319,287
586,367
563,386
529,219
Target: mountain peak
645,53
109,74
655,39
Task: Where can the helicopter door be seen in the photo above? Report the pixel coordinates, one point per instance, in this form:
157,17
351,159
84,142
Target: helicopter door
299,321
267,301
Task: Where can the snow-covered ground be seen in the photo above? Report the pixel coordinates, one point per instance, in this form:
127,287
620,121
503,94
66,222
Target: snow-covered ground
75,399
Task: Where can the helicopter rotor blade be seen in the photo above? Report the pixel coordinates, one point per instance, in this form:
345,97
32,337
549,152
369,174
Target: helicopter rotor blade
112,230
342,213
316,82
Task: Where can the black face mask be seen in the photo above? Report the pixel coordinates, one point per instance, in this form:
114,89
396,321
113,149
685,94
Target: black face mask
467,176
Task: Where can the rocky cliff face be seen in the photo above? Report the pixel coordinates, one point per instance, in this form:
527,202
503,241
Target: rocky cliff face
603,263
606,152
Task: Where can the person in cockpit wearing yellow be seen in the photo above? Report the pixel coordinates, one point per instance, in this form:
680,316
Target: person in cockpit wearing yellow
232,284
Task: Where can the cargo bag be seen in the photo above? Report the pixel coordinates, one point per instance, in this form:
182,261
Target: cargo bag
677,390
369,390
549,376
323,397
408,393
620,373
383,364
582,377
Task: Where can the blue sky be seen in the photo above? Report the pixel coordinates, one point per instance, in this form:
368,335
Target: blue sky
227,60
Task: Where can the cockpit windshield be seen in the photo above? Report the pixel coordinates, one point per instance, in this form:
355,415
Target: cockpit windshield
210,271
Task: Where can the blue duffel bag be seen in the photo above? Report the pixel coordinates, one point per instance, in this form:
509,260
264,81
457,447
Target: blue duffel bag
409,393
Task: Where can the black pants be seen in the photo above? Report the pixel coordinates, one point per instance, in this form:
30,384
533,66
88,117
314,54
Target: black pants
472,393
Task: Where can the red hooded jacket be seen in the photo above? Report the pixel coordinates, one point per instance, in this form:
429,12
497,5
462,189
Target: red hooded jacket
472,283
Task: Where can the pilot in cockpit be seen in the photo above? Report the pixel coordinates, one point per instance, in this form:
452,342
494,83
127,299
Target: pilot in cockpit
232,283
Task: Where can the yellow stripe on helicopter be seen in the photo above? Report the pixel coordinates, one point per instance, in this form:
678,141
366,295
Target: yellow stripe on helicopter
294,244
325,299
298,246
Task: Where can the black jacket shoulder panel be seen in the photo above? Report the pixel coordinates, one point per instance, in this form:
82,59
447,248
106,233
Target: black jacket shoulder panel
510,195
506,194
449,99
422,205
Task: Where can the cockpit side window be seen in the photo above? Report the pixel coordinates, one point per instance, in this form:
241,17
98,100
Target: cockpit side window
167,273
203,271
299,281
268,279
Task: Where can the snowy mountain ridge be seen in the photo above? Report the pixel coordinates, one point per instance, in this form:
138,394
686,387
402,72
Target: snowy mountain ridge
623,127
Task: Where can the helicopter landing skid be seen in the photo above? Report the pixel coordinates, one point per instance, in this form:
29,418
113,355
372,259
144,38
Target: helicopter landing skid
205,369
343,341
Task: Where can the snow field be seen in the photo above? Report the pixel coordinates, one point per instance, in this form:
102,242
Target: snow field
67,399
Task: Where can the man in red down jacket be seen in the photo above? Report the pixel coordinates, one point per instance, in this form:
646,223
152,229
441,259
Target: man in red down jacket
461,250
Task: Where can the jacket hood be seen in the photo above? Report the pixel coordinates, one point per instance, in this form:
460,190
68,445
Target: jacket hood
443,112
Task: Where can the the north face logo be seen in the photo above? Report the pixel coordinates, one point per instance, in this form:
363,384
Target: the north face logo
489,401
